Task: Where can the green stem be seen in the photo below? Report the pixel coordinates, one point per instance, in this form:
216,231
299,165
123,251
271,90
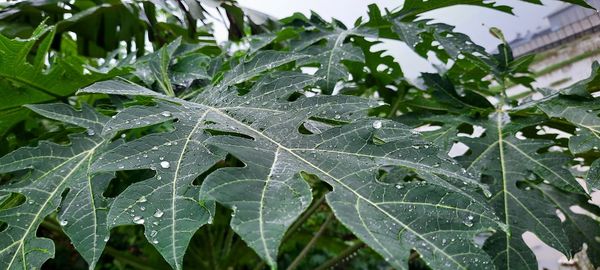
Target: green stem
311,243
213,258
126,258
50,224
396,104
53,226
340,257
228,242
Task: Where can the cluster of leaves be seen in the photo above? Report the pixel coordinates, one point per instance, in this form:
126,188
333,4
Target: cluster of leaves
235,158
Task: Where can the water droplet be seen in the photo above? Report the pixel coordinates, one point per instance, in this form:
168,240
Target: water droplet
138,220
337,116
470,217
159,213
142,199
377,124
91,132
166,114
165,164
106,238
154,241
63,222
398,186
121,167
153,233
123,135
468,223
154,147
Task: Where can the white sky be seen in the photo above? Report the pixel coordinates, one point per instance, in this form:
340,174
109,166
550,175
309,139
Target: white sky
474,21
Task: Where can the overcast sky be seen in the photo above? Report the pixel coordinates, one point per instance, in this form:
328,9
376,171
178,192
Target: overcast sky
474,21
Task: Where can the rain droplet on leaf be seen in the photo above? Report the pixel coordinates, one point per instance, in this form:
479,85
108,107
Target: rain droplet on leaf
64,222
158,213
166,114
165,164
138,220
377,124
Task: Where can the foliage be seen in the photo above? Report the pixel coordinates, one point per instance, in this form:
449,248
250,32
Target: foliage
294,144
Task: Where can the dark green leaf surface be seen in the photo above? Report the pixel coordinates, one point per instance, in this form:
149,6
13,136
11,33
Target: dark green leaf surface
52,169
268,193
500,156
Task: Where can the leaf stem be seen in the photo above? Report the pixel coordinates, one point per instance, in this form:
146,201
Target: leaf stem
213,258
340,257
311,243
126,258
228,242
396,104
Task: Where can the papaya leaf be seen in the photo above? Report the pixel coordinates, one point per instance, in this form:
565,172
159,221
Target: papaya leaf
261,128
25,82
51,170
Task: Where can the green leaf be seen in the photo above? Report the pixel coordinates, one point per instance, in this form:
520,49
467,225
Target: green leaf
445,93
331,56
593,176
506,163
413,8
261,62
410,9
167,204
51,170
581,113
27,83
581,227
261,129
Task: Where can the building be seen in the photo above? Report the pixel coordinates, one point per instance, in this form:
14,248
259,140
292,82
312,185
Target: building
565,49
569,22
